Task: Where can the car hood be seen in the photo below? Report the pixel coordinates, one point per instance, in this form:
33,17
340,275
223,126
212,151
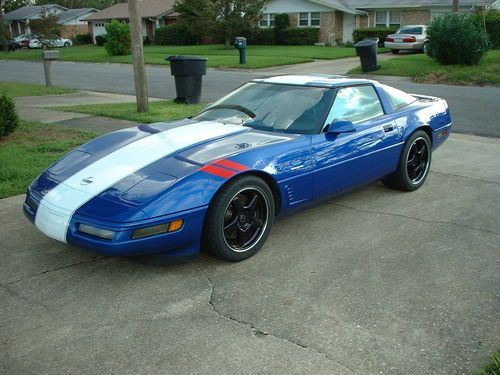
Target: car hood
132,166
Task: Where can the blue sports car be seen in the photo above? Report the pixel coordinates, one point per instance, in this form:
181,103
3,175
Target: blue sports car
216,181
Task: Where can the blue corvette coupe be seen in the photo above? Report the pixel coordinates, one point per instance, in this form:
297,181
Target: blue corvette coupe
217,180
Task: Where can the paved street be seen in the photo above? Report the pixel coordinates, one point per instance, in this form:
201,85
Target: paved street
473,108
414,292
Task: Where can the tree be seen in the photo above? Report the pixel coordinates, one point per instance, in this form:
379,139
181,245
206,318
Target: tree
117,38
45,28
198,13
232,16
4,30
10,5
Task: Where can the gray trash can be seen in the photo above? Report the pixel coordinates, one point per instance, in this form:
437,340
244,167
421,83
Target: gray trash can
367,52
188,72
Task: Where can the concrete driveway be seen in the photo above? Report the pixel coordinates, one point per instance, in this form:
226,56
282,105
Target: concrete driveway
374,282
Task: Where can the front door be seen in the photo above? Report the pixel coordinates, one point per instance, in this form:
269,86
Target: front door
348,23
347,160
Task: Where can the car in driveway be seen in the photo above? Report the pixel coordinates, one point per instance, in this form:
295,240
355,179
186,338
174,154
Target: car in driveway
58,42
411,37
11,44
217,180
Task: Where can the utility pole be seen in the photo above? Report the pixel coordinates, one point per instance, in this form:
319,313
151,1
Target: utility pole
141,87
455,7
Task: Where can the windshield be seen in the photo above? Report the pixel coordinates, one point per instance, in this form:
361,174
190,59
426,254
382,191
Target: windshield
272,107
410,30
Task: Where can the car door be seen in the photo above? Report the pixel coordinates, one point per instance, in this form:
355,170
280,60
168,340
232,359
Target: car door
346,160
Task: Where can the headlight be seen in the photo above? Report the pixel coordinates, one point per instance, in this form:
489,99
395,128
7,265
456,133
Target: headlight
97,232
157,229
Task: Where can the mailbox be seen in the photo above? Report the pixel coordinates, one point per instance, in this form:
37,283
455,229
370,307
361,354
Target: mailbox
50,55
240,43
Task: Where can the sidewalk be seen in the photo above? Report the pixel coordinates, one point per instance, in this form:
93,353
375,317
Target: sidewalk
35,108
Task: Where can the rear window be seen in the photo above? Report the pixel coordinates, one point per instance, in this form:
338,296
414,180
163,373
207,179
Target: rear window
410,30
398,98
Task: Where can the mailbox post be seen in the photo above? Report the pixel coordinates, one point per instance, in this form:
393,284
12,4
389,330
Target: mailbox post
48,57
240,43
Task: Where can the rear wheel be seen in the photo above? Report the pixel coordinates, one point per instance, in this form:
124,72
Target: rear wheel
66,44
425,47
395,51
239,219
414,163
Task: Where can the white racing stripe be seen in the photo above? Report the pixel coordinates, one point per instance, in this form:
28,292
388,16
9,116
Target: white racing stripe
58,206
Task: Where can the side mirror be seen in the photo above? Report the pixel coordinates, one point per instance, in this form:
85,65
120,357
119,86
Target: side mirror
341,126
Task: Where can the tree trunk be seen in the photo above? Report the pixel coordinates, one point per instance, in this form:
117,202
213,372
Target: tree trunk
455,6
141,88
3,33
228,42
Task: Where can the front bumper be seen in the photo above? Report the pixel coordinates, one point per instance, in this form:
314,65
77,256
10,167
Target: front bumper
181,243
404,46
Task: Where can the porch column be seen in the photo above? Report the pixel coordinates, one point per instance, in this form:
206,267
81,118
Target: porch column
18,27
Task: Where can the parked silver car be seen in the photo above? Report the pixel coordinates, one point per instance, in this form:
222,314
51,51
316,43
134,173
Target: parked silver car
410,37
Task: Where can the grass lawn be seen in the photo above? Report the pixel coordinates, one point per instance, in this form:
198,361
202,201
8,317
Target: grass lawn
158,111
423,69
493,367
25,89
217,54
31,149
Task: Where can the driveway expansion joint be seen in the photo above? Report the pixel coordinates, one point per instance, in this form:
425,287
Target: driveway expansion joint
468,177
258,332
414,218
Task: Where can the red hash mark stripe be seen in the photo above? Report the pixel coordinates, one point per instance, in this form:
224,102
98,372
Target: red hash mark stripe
231,165
217,171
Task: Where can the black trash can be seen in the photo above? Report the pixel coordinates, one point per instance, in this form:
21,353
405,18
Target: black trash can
188,72
367,52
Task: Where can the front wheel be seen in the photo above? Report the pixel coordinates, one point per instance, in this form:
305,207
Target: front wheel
66,44
414,163
425,48
395,51
239,219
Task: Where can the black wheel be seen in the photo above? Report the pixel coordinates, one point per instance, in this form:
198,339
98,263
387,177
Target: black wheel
66,44
239,219
414,163
395,51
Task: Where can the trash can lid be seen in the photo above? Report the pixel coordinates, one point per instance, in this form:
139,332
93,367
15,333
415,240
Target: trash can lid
185,58
366,42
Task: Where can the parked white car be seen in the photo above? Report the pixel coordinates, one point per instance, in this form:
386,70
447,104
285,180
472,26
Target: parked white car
410,37
59,42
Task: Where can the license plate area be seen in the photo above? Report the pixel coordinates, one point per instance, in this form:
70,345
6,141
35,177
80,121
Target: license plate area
398,40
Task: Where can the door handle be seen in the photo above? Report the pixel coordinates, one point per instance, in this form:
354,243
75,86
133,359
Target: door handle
388,128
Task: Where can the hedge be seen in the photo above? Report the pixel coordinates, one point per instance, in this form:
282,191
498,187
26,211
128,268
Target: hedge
118,41
100,39
262,36
174,34
83,38
373,32
8,116
300,35
492,23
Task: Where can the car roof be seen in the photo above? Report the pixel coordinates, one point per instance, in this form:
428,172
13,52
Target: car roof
314,80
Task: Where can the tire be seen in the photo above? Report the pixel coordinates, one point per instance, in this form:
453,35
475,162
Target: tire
424,48
395,51
66,44
414,163
239,219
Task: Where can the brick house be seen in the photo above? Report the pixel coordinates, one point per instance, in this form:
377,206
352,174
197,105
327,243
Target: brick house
155,13
337,19
19,19
73,21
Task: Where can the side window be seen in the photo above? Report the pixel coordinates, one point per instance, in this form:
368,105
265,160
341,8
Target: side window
356,104
398,98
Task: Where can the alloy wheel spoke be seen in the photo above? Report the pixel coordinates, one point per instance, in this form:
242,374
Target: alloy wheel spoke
237,205
233,225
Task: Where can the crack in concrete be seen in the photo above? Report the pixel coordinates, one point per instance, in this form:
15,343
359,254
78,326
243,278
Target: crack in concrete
26,299
468,177
258,332
414,218
54,269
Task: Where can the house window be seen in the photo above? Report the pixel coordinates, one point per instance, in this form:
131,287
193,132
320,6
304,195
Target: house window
309,19
387,18
267,20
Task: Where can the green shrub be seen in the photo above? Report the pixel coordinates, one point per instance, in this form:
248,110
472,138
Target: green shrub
491,20
281,22
147,40
300,35
8,116
456,39
100,39
174,34
261,36
373,32
117,38
83,38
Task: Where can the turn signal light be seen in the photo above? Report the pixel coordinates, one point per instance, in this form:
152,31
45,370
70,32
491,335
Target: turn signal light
157,229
